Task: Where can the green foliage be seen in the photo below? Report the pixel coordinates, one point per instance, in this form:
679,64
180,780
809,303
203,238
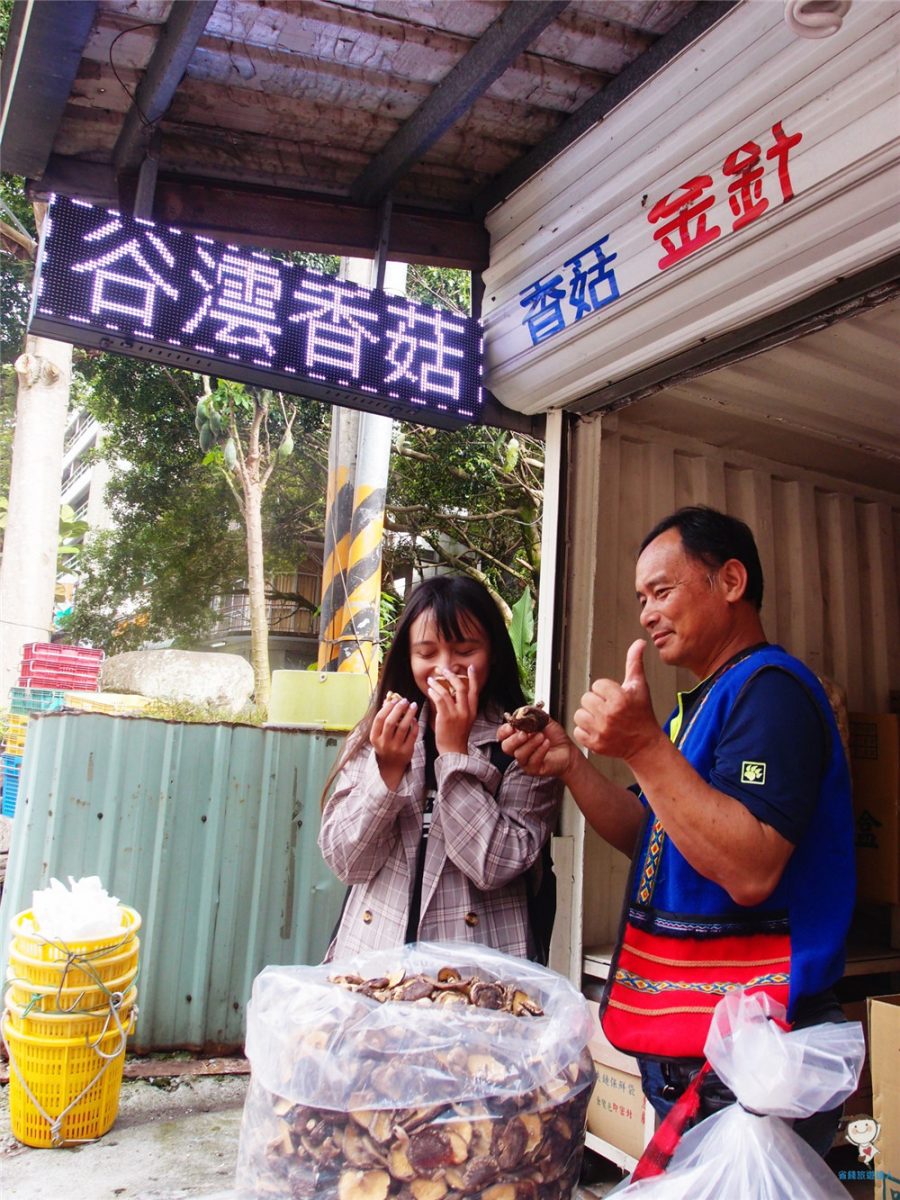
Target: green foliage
469,499
198,714
70,530
16,271
522,634
389,610
440,287
164,572
6,7
8,392
325,264
177,543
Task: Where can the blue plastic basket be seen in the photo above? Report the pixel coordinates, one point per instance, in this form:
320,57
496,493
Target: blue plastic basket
25,700
12,765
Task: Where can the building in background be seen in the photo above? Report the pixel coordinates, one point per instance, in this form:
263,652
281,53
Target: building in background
292,609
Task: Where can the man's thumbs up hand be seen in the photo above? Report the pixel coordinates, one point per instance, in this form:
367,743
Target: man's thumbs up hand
635,680
616,719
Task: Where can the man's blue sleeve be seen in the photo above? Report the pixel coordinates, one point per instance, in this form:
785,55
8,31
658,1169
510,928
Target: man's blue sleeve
772,752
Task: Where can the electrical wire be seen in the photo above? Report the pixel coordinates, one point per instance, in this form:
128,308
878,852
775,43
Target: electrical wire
132,96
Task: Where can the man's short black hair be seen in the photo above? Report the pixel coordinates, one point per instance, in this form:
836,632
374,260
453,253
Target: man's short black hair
713,537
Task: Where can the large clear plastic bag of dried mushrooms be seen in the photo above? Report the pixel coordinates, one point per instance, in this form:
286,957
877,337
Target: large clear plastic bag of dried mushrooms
749,1150
427,1072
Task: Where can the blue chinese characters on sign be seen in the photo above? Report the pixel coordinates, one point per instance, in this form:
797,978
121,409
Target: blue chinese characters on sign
110,280
591,286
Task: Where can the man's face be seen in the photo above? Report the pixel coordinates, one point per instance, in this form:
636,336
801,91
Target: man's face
682,606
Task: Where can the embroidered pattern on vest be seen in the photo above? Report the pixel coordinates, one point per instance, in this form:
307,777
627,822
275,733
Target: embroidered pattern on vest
655,987
657,833
651,863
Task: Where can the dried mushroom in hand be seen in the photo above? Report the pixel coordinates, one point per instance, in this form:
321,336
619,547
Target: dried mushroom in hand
529,718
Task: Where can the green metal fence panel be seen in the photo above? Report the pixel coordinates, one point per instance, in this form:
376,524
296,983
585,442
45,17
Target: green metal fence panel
208,831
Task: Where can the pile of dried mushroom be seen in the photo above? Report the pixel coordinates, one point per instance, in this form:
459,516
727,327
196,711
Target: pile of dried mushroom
488,1138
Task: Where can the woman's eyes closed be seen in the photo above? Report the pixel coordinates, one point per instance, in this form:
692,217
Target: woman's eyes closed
458,651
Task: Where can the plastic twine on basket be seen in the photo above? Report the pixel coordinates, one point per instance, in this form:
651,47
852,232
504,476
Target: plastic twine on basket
109,1014
112,998
55,1123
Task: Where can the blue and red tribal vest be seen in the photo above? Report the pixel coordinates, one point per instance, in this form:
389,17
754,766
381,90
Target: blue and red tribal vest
684,942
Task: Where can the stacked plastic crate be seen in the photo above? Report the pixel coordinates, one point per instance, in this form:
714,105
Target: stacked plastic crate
46,672
13,749
70,668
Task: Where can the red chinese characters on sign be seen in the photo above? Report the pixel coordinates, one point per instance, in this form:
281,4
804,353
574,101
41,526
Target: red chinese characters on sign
681,216
684,214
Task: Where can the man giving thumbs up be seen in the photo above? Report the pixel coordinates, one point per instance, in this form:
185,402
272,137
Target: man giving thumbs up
739,823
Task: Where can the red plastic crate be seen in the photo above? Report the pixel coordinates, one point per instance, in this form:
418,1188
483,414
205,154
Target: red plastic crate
86,657
59,668
67,681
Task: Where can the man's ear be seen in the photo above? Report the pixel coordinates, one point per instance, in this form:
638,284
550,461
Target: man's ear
733,578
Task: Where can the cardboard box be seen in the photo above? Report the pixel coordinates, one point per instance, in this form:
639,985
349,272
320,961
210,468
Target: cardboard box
884,1046
859,1102
875,768
618,1113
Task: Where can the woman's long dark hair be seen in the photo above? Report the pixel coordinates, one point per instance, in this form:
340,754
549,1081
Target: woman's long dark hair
455,601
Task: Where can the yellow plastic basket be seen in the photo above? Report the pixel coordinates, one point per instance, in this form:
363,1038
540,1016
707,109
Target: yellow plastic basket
93,1025
16,729
42,998
62,1090
28,940
79,972
111,703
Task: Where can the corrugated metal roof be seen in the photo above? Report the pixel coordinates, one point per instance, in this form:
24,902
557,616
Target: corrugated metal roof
324,108
209,831
826,402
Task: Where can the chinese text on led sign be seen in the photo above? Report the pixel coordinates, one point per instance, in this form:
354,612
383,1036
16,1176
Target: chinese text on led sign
151,286
583,286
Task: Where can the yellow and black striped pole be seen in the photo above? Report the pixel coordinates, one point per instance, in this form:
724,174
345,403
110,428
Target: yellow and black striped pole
351,581
359,456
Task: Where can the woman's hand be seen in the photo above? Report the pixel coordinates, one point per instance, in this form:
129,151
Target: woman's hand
550,752
393,735
454,699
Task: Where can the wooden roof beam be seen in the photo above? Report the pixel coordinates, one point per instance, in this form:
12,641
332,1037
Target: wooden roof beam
515,29
328,225
177,41
279,220
688,29
40,63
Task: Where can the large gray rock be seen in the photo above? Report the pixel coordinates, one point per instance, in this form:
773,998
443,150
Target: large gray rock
223,680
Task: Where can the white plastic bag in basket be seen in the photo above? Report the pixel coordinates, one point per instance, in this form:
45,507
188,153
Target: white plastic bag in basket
81,912
749,1150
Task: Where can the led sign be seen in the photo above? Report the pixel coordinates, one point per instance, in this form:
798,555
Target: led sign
132,287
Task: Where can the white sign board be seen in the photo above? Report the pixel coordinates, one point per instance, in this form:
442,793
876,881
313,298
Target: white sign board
753,170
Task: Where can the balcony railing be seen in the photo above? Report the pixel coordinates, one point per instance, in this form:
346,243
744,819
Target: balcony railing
286,611
76,430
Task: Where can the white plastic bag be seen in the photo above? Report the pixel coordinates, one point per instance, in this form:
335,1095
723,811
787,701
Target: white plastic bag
748,1150
81,912
351,1097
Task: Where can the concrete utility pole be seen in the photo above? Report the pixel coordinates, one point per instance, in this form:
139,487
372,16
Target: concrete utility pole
30,542
358,459
28,568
